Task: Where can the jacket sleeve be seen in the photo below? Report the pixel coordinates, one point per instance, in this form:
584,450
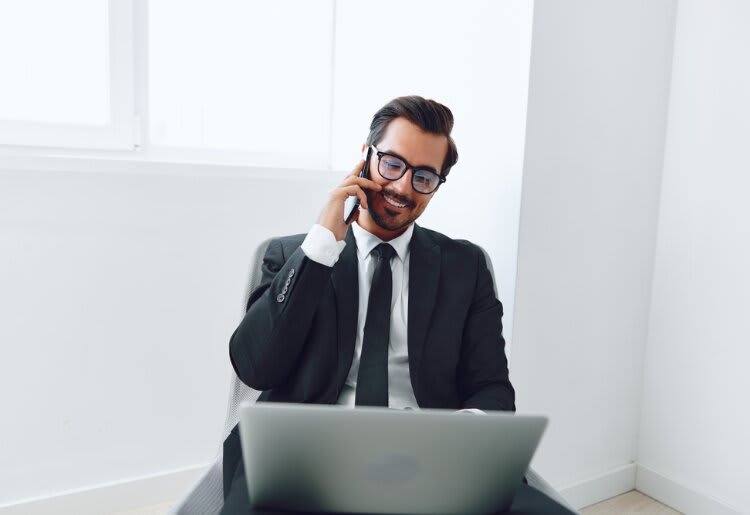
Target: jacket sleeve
266,345
483,379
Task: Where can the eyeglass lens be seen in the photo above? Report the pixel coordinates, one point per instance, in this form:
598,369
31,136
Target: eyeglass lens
423,181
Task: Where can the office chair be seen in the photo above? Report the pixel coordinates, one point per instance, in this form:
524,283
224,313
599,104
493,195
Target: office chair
207,495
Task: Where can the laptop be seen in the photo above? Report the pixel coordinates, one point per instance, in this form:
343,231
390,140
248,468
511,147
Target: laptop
301,457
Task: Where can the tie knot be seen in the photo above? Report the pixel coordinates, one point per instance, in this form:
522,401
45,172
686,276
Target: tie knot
384,251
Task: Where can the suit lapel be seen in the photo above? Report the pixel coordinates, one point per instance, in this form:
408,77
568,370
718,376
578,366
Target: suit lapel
424,276
346,288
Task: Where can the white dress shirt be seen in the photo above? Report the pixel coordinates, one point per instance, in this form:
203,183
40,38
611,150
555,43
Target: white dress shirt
321,246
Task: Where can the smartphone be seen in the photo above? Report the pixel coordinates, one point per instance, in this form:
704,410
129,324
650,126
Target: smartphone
351,204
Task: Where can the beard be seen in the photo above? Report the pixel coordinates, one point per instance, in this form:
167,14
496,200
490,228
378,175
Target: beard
390,220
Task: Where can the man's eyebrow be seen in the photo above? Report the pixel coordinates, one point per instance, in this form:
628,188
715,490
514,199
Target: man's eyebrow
419,167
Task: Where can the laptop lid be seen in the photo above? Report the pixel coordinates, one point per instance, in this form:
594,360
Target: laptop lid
377,460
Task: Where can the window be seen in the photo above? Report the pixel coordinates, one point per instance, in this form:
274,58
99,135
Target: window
288,83
66,73
242,76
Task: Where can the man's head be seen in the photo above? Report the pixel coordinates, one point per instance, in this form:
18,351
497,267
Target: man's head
417,131
428,115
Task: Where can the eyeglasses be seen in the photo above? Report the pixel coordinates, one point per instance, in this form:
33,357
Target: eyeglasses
392,167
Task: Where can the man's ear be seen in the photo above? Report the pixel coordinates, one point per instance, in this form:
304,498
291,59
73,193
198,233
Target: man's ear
364,150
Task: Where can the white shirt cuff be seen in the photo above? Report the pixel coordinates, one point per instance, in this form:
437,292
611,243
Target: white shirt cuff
475,411
321,246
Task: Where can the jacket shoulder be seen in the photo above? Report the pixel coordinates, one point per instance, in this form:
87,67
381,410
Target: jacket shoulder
289,243
459,246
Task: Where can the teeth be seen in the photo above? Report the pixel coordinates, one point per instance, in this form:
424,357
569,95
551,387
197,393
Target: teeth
393,202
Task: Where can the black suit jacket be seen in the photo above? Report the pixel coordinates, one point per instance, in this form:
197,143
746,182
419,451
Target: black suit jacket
296,341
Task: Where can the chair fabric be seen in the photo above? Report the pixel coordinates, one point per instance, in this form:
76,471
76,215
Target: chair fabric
532,477
207,495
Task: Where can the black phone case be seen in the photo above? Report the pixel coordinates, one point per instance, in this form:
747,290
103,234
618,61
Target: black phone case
351,205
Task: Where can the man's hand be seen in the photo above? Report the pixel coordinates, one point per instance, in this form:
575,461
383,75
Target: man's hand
332,215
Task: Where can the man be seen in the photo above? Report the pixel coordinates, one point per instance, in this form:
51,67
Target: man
380,311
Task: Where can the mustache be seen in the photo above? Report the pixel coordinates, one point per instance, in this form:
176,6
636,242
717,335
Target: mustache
397,197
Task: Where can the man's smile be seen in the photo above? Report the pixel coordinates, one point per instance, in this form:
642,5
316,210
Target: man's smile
395,200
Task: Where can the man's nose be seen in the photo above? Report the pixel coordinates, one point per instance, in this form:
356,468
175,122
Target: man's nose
403,185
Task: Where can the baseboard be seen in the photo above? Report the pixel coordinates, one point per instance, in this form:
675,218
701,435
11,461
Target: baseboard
145,491
112,497
678,496
599,488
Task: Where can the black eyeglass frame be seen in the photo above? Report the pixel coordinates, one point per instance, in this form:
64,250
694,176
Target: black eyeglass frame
408,167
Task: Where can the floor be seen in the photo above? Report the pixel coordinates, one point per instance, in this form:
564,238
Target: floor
156,509
631,503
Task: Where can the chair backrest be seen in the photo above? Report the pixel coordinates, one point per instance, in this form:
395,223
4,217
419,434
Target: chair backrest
239,392
206,497
533,478
492,271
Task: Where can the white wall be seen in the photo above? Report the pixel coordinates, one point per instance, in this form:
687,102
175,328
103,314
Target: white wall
594,147
695,424
120,290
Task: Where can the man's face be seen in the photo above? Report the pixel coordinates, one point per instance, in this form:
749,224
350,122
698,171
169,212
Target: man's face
397,205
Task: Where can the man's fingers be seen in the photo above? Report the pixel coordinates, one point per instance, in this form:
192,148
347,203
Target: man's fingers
362,182
357,169
352,190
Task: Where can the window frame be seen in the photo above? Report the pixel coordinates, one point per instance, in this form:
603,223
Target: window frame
122,130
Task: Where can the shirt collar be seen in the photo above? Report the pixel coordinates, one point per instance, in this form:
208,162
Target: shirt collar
367,241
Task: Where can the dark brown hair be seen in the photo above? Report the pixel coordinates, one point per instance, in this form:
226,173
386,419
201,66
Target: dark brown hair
428,115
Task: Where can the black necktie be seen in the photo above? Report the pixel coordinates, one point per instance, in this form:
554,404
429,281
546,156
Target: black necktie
372,379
